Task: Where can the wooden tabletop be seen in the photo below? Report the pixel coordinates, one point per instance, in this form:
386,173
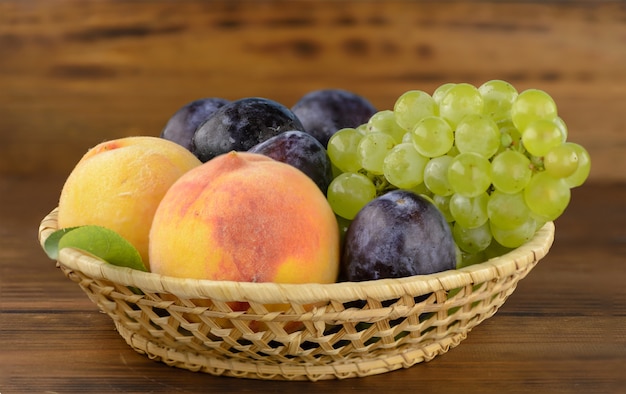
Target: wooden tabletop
76,72
562,330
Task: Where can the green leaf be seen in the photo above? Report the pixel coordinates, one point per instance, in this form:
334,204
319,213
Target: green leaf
51,245
101,242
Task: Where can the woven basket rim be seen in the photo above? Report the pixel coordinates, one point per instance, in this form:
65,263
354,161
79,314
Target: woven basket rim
269,292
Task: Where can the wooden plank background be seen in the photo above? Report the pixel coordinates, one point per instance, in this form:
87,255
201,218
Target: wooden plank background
74,73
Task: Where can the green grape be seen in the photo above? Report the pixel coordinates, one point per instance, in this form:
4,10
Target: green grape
385,122
561,161
441,91
342,150
495,250
496,163
381,183
582,170
479,134
436,175
539,220
507,211
510,171
432,136
515,237
536,163
336,171
469,174
510,136
459,256
498,97
472,240
404,166
443,204
531,105
468,259
562,128
540,136
547,196
428,197
362,129
412,106
422,189
349,192
343,225
460,100
454,151
506,140
372,150
469,212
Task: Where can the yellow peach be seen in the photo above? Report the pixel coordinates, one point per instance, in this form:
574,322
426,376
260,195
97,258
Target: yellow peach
245,217
118,184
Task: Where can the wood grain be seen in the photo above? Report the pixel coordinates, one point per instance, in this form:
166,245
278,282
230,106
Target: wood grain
73,73
563,330
76,72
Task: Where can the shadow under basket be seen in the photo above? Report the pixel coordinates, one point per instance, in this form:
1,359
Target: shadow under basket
298,331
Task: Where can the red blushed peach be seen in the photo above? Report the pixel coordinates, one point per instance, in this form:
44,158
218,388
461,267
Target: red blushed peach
118,184
245,217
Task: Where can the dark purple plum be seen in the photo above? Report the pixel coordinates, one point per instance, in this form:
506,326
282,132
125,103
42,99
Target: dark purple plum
183,124
323,112
301,150
396,235
240,125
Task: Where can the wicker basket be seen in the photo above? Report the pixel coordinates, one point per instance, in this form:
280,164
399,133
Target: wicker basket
340,330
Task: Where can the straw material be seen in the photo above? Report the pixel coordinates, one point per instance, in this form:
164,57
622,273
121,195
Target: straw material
298,331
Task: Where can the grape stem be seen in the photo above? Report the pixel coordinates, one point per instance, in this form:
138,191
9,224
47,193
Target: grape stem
380,182
536,163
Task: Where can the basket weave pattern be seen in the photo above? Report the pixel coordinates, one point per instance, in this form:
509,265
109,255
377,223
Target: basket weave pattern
298,332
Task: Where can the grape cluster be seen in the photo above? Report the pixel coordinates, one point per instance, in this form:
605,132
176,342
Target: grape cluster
495,161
